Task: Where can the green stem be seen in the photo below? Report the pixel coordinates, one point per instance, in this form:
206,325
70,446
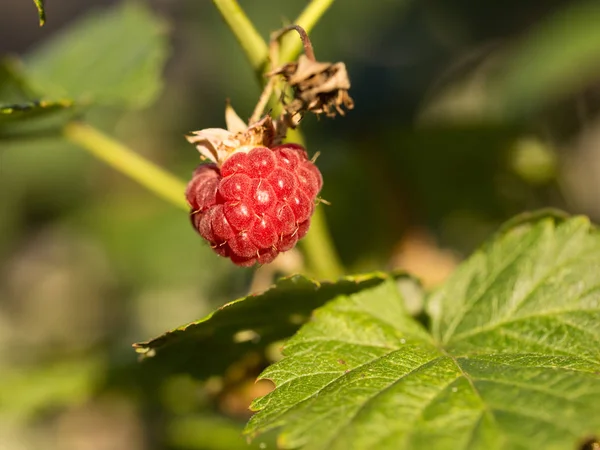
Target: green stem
291,46
319,251
128,162
321,256
254,46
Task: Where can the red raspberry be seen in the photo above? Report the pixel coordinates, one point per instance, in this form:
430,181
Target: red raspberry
257,205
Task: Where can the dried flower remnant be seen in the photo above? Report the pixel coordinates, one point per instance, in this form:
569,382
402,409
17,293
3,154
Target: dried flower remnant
319,87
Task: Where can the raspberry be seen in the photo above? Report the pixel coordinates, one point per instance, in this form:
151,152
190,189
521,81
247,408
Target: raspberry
257,204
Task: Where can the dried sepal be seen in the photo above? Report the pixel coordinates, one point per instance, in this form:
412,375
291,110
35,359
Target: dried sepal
319,87
234,123
218,144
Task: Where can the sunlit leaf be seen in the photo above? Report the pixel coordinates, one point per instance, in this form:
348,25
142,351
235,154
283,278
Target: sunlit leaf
512,360
112,56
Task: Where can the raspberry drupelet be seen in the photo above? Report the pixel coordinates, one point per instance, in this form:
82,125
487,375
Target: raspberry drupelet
257,205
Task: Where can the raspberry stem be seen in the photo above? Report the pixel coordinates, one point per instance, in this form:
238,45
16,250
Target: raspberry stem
320,254
265,96
250,40
318,248
290,46
125,160
308,48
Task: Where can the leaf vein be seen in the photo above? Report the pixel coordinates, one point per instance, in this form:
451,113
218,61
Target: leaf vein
483,288
315,393
382,391
495,325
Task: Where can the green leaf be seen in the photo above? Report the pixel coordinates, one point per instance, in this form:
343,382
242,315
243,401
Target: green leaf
18,103
512,360
115,56
557,58
208,346
39,4
29,110
13,87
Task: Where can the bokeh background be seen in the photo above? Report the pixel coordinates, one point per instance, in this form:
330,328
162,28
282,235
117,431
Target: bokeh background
467,113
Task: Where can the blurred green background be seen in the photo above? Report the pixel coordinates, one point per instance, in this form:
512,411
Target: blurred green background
467,113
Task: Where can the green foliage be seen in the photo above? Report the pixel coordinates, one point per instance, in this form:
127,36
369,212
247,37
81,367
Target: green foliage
35,109
20,105
13,88
511,361
115,57
208,346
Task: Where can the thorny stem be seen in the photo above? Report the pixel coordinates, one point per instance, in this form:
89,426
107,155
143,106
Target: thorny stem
125,160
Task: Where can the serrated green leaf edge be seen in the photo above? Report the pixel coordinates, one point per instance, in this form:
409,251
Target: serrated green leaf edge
519,226
530,217
413,330
149,348
28,102
39,4
41,104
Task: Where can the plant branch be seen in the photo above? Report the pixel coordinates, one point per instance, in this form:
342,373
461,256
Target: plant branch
290,46
321,256
306,44
128,162
252,43
262,101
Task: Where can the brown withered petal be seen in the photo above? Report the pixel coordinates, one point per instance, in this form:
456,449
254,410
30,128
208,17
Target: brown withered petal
319,87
